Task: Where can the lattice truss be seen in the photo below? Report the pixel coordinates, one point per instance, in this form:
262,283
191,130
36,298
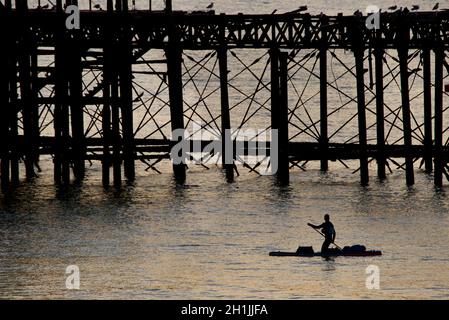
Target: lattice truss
304,101
249,96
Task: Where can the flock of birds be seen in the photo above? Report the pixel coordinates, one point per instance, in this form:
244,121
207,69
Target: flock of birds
436,7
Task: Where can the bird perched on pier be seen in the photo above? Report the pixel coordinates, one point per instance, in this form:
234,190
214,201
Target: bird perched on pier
358,13
415,7
138,97
97,6
210,6
435,7
392,8
299,10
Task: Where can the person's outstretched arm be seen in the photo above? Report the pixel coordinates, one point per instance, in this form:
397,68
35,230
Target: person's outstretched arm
315,226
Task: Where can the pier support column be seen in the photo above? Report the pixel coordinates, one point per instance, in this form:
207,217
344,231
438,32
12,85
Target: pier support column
324,140
126,91
107,80
227,145
406,114
427,90
106,127
174,63
6,57
361,113
116,143
78,143
27,70
227,148
438,155
76,113
380,127
279,111
284,176
61,112
12,71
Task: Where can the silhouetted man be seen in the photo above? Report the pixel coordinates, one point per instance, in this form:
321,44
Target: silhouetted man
327,228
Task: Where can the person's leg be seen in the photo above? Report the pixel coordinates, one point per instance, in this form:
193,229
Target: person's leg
326,244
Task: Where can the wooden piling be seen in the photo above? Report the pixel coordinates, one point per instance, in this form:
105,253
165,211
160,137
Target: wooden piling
438,154
380,117
59,169
324,140
116,102
78,144
126,97
174,73
5,62
427,92
227,155
283,170
361,114
26,89
279,111
275,102
406,114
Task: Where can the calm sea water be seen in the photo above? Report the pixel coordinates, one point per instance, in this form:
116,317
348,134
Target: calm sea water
210,239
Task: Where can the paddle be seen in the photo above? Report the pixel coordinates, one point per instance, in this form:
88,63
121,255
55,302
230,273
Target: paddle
338,247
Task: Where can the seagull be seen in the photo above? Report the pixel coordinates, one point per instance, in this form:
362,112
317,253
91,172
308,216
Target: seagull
358,13
300,9
210,6
138,97
393,8
97,6
415,7
435,7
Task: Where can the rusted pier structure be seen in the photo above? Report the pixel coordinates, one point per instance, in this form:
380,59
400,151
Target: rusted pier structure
114,90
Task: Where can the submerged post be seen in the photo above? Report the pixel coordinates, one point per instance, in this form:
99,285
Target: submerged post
76,109
5,110
126,98
283,170
380,127
406,113
107,80
361,114
174,73
324,141
438,173
427,90
227,149
279,111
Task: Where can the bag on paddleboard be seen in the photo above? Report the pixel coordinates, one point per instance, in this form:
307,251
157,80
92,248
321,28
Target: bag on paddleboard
355,248
305,250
